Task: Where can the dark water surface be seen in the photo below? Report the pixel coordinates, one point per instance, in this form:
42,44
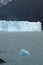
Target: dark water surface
12,42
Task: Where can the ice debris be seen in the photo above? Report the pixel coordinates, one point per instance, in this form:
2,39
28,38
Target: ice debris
24,52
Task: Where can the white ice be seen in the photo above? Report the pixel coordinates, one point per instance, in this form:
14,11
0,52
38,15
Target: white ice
11,26
24,52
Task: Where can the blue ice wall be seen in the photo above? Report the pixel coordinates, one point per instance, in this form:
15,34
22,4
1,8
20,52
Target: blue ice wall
19,26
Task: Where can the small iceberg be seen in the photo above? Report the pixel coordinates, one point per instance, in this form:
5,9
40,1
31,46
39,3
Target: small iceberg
24,52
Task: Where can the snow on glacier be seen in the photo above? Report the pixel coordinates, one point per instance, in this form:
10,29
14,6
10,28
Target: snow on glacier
19,26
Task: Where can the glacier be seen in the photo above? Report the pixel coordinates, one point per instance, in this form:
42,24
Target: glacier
19,26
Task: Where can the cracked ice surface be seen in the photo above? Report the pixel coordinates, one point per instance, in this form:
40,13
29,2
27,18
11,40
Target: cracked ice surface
19,26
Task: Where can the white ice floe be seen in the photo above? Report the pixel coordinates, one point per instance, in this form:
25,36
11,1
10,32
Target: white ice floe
24,52
19,26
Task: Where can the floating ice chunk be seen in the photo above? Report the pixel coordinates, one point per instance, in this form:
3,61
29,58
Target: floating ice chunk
24,52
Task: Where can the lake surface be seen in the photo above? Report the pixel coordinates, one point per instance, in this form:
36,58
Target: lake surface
12,42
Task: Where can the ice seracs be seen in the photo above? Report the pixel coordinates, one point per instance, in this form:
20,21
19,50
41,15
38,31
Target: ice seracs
19,26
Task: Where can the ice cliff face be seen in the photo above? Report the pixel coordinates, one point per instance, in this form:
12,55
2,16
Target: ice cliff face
19,26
